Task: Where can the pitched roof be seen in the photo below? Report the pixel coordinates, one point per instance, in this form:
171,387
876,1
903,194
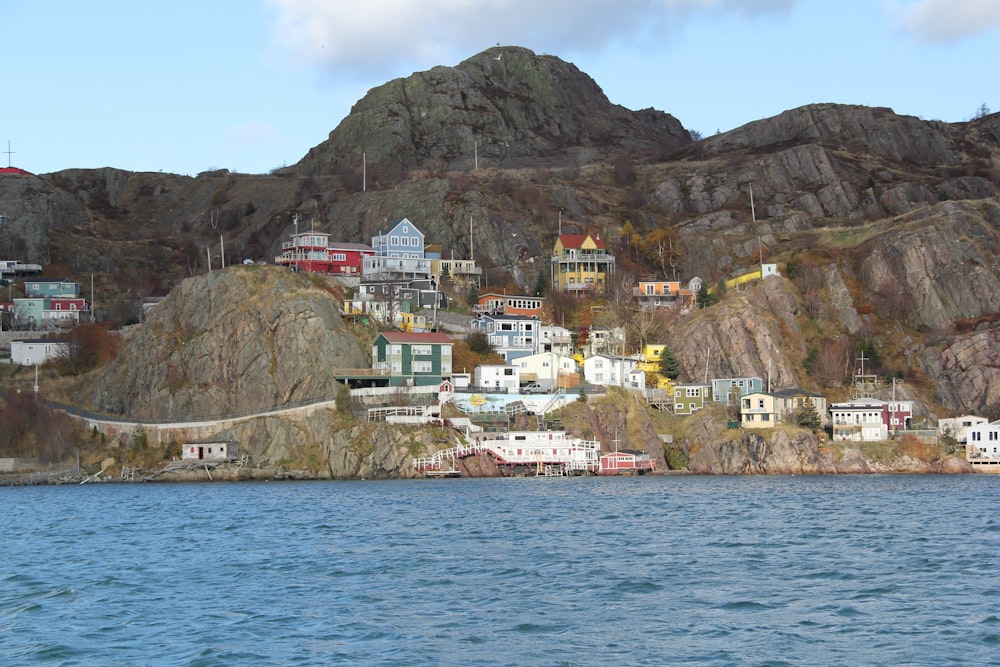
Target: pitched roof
796,391
577,240
15,170
416,337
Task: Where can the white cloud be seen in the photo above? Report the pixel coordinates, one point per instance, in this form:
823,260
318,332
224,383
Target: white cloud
380,37
938,21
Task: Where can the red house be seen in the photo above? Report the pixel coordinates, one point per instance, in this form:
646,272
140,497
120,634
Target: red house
313,252
626,462
65,309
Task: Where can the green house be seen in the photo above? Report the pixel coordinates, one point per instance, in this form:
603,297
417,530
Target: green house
689,398
417,359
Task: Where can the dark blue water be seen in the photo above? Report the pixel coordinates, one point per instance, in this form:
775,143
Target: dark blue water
873,570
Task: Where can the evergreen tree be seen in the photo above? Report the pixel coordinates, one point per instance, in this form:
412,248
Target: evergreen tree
669,366
705,298
806,416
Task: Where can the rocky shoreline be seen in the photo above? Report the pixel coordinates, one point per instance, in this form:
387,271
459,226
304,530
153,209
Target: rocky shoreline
235,473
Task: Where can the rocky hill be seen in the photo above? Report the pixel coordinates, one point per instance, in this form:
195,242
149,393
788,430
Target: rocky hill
507,107
230,342
884,227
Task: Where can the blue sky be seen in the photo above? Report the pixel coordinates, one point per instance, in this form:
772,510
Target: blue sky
186,86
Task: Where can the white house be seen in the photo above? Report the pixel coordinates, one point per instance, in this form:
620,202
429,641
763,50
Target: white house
498,378
983,446
869,419
958,427
209,451
603,341
545,368
609,370
36,351
553,338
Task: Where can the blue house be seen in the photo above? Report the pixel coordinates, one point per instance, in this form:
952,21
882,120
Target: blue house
49,287
725,389
403,240
510,335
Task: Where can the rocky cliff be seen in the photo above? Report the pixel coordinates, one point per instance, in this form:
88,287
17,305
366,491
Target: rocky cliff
242,339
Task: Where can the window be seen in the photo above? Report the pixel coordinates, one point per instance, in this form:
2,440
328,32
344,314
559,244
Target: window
396,367
339,257
394,240
423,367
395,350
760,403
421,350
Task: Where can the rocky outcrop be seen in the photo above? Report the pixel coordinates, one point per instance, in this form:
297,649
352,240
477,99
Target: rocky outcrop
507,106
753,332
782,452
328,444
936,265
243,339
965,370
869,129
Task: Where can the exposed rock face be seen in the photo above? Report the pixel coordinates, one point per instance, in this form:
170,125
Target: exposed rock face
329,445
965,370
742,337
795,453
506,105
938,264
247,338
879,130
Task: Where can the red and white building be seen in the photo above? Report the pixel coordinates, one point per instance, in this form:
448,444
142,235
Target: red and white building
626,462
313,252
869,419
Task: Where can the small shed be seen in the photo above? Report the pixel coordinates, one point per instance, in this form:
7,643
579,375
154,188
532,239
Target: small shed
209,451
626,462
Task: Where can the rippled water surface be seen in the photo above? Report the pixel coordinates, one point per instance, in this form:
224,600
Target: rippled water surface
845,570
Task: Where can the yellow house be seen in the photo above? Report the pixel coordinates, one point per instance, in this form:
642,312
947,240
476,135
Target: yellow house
759,410
650,358
581,263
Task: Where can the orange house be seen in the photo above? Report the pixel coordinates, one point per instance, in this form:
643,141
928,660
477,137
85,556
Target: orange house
510,304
